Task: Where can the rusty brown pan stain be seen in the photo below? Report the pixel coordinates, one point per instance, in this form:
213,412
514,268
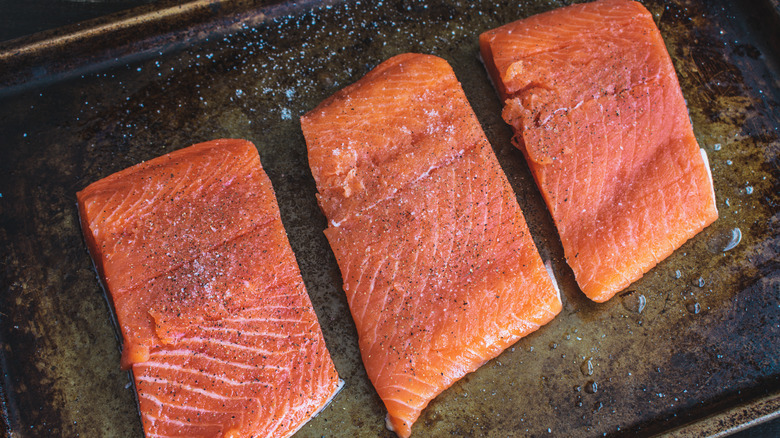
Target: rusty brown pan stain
693,342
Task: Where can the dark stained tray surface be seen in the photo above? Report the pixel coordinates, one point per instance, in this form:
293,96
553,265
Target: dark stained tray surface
704,344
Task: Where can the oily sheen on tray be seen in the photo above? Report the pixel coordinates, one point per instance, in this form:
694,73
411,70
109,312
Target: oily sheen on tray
439,268
596,108
218,329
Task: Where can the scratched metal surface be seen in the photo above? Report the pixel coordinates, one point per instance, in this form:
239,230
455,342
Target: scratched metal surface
142,83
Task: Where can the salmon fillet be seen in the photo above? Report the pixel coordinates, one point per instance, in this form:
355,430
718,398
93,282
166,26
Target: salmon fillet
439,269
596,108
217,326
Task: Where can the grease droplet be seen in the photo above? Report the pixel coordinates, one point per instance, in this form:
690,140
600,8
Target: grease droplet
736,237
633,301
725,240
591,387
699,282
693,307
587,367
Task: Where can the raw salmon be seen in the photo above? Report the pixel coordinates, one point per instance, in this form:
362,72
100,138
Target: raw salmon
439,269
596,107
218,329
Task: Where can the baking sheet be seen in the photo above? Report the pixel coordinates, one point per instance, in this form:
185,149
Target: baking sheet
145,83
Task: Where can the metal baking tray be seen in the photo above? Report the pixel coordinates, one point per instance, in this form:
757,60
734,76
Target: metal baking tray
691,349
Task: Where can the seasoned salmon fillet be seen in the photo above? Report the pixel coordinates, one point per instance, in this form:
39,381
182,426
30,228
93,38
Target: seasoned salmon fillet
439,268
217,327
596,108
